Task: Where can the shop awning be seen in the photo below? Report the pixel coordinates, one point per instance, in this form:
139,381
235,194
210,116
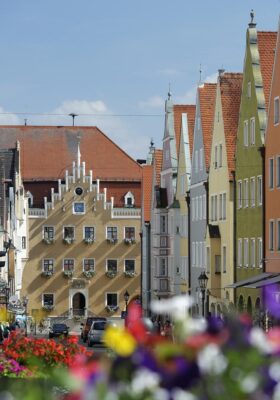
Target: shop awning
264,282
251,280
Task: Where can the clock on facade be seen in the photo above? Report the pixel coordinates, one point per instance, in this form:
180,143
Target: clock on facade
79,208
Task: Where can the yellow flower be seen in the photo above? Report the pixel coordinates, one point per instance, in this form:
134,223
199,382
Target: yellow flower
119,340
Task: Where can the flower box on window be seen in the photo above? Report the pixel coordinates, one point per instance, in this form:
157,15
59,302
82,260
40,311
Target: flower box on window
111,274
89,240
112,309
112,240
89,274
129,274
48,307
68,274
68,240
47,240
129,240
47,273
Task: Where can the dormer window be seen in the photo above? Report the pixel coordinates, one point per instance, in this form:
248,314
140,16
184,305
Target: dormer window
30,199
129,200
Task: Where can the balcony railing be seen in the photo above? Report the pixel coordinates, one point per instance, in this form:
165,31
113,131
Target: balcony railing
36,212
126,213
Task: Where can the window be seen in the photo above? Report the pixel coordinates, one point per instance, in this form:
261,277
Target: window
246,252
208,260
276,110
221,205
249,90
253,252
271,173
239,252
129,266
68,264
23,242
112,233
200,207
88,264
246,193
259,190
224,206
79,208
271,235
48,233
201,159
278,235
245,133
239,194
162,266
48,299
197,253
48,266
252,191
163,227
193,254
217,264
224,259
89,233
204,207
129,200
220,155
260,252
196,160
216,157
252,131
278,171
129,232
69,233
112,265
79,191
112,299
214,200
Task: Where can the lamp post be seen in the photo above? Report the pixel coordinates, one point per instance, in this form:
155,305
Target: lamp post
126,298
25,303
202,280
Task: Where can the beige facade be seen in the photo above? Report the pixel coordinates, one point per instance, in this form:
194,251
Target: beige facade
80,231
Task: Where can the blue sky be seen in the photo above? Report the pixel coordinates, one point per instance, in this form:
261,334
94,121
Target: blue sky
116,58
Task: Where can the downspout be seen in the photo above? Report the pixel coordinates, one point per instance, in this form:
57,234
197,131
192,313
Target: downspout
234,232
188,201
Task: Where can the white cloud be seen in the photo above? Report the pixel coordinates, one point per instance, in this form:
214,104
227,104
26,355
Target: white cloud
152,102
211,78
9,119
189,97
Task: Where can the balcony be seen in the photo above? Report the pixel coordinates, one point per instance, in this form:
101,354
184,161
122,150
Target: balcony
133,213
162,286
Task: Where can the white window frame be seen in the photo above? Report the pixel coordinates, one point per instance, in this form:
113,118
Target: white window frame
208,259
252,131
271,173
106,299
246,252
69,226
84,262
43,264
201,159
129,195
124,264
278,171
48,294
276,111
253,252
260,190
84,232
196,160
220,155
216,156
246,193
117,265
220,206
70,259
193,254
79,212
106,232
47,236
260,252
224,260
245,133
239,253
252,191
239,194
127,236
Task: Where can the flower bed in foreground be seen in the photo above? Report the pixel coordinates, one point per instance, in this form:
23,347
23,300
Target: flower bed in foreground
205,360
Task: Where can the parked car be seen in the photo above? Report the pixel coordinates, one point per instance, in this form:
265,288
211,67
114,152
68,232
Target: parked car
58,330
86,327
96,332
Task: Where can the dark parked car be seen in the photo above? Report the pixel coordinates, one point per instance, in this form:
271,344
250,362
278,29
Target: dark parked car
86,327
58,330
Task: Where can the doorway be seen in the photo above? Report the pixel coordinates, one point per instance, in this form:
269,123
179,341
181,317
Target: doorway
78,304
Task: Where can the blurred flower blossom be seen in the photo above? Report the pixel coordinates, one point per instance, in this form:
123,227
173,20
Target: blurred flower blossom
211,360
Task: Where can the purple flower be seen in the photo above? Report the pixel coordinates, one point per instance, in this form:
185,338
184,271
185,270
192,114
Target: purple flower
270,301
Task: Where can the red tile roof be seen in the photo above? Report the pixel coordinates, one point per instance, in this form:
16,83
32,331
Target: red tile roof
178,111
230,88
207,97
158,164
47,151
266,46
147,188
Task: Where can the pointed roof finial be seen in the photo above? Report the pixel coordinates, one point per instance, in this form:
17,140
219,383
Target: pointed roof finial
200,73
73,115
169,92
152,143
252,15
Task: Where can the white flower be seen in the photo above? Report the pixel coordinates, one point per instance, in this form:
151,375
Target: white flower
249,384
144,379
276,393
211,360
179,394
258,339
274,371
177,306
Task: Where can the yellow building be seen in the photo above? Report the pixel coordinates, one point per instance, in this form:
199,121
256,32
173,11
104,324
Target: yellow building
220,230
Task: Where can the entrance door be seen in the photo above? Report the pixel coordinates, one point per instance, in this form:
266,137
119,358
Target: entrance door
79,303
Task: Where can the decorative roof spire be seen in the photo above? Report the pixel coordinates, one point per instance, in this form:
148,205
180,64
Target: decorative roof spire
169,92
200,74
252,24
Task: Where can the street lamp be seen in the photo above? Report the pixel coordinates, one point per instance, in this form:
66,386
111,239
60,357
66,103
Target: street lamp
126,298
25,300
202,280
